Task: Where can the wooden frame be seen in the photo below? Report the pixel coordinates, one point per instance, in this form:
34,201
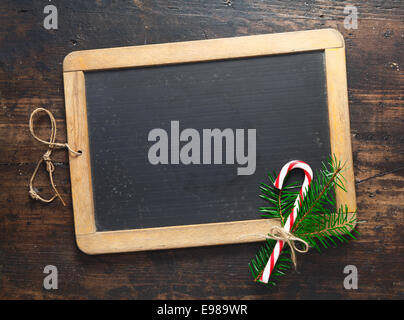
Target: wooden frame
76,63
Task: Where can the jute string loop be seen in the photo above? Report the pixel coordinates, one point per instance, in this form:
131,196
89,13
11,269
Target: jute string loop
47,156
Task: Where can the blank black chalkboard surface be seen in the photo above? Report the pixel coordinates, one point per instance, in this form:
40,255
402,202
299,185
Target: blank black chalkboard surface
176,138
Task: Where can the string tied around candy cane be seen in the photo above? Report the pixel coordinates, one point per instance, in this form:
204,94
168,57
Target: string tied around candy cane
280,234
285,235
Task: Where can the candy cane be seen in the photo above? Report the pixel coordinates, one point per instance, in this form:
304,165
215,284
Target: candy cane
292,217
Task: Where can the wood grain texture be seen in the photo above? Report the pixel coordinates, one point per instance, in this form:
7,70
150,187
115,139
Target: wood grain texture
202,50
80,168
207,234
338,109
33,235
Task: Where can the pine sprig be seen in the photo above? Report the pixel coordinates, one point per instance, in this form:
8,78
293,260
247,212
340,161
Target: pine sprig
317,222
281,201
257,265
333,228
321,194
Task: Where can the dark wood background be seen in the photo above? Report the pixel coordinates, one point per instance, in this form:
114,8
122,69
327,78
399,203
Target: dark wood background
33,235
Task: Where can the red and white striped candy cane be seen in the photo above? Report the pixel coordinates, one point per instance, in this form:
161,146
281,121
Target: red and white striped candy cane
295,164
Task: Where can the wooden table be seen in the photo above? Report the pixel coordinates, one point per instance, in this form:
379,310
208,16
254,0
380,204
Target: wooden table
33,235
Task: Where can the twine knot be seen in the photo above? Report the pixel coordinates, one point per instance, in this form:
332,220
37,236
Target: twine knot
50,167
46,155
33,194
280,234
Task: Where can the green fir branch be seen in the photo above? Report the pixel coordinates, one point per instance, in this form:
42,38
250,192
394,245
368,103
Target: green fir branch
321,194
281,201
329,229
316,223
258,264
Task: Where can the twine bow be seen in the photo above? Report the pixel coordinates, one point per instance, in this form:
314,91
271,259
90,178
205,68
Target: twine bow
47,156
280,234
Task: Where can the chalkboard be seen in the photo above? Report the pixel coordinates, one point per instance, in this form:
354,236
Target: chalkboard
288,110
179,148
